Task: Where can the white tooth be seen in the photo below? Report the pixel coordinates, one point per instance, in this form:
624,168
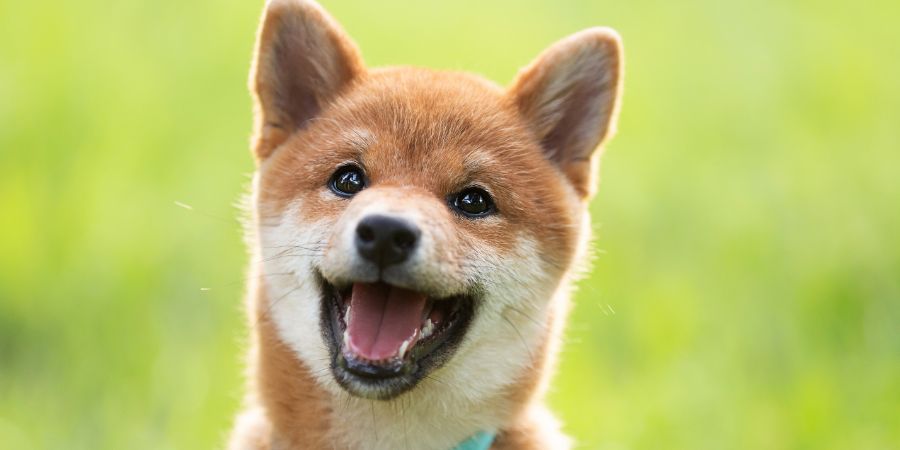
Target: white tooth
347,315
427,328
346,339
403,347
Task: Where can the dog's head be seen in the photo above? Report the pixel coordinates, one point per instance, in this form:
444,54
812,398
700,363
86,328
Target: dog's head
413,221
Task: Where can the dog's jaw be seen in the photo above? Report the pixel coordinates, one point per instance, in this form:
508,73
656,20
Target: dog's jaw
507,343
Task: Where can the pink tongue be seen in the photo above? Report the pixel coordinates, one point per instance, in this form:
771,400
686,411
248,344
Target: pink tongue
381,318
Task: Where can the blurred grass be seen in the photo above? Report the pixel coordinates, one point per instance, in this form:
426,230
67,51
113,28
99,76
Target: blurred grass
746,292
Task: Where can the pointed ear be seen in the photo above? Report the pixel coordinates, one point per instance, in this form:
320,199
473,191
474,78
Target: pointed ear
569,96
302,61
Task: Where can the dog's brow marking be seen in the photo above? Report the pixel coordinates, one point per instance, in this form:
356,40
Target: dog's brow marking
358,139
477,161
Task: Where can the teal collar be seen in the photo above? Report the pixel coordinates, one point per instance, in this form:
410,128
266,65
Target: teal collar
481,440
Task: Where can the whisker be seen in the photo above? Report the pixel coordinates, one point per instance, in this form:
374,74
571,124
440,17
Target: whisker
522,338
272,304
527,316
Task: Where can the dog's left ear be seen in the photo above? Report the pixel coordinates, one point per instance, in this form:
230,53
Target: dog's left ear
303,61
569,96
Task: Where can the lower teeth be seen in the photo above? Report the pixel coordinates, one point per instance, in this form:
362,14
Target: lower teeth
403,347
427,329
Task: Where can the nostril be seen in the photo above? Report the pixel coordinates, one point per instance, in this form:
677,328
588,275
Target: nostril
404,239
365,232
386,240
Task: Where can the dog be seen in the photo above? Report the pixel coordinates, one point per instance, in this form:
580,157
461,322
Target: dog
415,236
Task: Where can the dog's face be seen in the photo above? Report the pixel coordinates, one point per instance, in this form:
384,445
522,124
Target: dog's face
414,226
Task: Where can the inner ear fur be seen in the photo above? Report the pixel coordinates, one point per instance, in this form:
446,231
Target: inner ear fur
569,97
302,61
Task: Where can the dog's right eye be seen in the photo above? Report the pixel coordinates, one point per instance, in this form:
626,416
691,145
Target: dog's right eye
347,181
473,202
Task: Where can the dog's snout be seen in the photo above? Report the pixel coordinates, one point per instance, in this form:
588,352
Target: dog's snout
386,240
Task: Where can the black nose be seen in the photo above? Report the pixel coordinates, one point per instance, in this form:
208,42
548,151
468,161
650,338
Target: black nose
386,240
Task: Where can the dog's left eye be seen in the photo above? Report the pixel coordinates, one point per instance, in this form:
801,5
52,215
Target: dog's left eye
347,181
473,202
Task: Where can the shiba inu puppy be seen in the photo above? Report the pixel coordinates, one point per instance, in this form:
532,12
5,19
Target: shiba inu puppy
415,233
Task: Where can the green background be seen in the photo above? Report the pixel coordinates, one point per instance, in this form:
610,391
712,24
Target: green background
746,289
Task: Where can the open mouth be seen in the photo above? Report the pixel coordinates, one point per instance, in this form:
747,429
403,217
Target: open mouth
384,339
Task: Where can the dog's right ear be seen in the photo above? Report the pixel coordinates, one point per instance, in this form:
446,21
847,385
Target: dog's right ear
303,60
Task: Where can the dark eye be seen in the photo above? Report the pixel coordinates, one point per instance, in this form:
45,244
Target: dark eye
473,202
347,181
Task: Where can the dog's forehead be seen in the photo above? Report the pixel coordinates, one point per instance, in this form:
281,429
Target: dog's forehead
436,126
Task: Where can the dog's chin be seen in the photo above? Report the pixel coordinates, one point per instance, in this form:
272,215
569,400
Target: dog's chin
386,375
